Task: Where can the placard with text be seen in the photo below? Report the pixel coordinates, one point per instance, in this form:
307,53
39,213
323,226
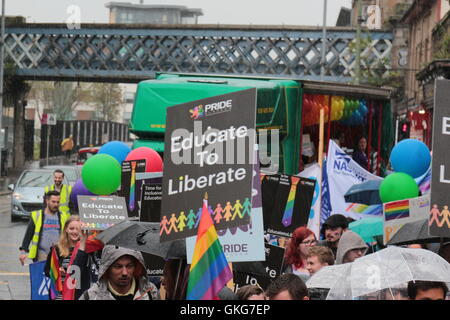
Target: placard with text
209,147
439,217
101,212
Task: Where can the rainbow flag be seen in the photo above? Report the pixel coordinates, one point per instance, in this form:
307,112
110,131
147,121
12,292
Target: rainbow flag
55,274
209,271
396,210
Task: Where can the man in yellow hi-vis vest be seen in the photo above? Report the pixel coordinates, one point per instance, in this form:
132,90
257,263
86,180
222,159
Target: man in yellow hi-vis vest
43,230
64,190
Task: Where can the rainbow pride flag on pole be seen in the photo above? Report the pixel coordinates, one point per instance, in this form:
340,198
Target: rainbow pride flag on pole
55,274
209,271
396,210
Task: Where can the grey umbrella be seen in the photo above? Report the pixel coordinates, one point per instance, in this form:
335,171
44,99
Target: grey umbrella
365,193
143,236
414,232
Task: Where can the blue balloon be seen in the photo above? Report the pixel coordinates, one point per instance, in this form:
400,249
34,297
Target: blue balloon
116,149
411,156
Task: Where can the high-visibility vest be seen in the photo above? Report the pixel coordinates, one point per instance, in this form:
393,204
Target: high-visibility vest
37,219
64,196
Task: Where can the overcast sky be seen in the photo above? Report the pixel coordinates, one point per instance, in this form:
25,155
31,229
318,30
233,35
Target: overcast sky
275,12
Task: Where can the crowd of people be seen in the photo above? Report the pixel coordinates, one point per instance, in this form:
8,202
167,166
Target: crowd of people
106,272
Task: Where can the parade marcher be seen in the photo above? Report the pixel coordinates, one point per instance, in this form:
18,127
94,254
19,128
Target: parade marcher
427,290
332,230
43,229
318,257
297,251
351,247
250,292
63,189
122,277
288,286
359,155
65,252
67,145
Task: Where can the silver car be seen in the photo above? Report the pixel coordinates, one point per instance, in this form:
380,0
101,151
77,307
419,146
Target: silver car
28,193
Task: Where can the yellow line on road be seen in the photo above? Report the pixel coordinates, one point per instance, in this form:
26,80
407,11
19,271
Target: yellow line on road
24,274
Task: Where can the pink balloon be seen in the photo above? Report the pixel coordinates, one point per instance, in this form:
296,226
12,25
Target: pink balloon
154,162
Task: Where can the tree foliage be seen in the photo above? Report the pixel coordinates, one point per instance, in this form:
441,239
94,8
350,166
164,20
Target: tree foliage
376,72
107,98
61,98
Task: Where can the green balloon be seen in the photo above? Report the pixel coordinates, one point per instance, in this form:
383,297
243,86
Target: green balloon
101,174
398,186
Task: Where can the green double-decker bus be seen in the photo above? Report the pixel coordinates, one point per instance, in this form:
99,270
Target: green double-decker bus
279,106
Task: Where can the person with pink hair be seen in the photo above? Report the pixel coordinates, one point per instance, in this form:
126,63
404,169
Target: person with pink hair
297,251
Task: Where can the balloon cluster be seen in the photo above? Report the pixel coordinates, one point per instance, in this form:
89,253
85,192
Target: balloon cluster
410,159
101,174
349,111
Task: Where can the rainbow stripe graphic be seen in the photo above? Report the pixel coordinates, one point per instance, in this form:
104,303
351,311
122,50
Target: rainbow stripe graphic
376,209
289,209
209,271
132,186
396,210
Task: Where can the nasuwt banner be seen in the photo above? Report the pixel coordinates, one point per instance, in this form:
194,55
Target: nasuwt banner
439,221
209,146
398,213
342,173
101,212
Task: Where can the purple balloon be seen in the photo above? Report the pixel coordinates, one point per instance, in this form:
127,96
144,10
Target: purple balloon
78,189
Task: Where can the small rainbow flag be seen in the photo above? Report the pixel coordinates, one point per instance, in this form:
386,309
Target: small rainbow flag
396,210
209,271
55,274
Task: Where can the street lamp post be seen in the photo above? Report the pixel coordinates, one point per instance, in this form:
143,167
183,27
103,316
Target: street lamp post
2,51
324,40
358,43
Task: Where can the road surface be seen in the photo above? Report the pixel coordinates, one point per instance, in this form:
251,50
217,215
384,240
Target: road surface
14,278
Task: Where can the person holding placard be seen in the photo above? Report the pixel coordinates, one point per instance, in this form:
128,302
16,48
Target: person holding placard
64,250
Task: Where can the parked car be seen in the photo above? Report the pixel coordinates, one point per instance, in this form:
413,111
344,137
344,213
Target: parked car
72,173
86,153
28,193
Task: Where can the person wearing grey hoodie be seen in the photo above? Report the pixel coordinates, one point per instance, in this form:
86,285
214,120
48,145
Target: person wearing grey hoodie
351,247
122,276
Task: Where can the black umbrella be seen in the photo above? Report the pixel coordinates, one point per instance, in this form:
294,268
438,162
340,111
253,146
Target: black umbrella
414,232
148,240
365,193
143,236
256,268
123,233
